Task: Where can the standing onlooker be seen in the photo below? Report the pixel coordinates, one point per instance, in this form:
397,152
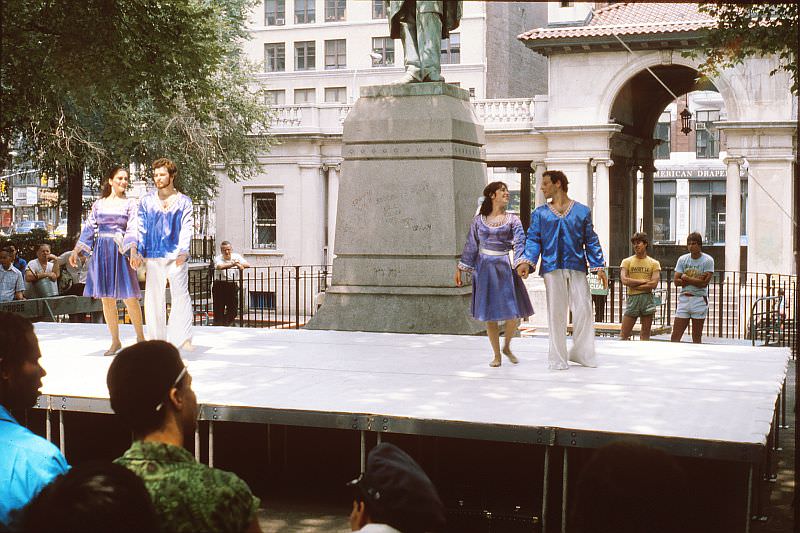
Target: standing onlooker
27,461
640,273
42,273
228,268
693,272
18,262
394,495
151,391
12,284
498,294
561,231
111,232
166,222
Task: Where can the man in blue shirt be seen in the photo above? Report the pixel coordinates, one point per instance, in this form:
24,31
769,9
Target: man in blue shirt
27,462
693,272
561,232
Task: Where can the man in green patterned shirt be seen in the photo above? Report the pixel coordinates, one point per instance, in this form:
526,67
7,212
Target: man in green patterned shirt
151,391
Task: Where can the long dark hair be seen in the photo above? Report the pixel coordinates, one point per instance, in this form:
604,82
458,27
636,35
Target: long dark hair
488,191
105,190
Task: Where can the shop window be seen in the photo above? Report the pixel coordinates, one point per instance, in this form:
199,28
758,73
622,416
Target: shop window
664,205
264,217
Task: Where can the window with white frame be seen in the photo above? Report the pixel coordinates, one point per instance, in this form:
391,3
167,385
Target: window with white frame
264,217
335,10
662,133
305,96
274,12
384,47
378,9
451,49
335,54
304,55
304,11
274,57
275,97
706,134
335,95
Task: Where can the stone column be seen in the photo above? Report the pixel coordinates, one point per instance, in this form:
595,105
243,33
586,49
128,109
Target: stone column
311,205
648,172
733,214
333,171
538,169
601,209
413,165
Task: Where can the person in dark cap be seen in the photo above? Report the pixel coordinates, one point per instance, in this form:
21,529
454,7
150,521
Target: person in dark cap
394,495
151,392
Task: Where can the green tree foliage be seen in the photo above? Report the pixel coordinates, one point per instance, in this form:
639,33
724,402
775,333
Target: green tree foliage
745,30
89,83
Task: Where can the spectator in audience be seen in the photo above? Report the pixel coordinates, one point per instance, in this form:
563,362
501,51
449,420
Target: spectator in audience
640,273
18,262
394,495
92,498
228,269
42,273
151,392
12,284
630,488
27,462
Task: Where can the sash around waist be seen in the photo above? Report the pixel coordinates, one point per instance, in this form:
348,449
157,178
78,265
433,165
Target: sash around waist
484,251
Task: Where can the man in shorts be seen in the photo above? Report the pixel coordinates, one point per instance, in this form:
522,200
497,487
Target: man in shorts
640,273
693,272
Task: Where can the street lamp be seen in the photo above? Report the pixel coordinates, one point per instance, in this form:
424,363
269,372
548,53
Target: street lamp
372,55
686,117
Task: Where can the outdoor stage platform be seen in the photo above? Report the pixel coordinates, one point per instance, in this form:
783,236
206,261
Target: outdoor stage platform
714,402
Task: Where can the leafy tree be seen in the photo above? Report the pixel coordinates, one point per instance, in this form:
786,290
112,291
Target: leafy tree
90,83
745,30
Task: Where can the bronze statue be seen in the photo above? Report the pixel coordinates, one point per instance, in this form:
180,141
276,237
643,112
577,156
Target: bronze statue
421,25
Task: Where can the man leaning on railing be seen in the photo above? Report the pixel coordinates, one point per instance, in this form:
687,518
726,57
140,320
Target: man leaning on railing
228,268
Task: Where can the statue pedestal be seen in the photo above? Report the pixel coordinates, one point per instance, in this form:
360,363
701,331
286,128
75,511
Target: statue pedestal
412,173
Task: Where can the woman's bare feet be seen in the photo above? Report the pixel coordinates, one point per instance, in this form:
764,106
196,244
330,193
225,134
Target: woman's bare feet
511,356
114,350
494,363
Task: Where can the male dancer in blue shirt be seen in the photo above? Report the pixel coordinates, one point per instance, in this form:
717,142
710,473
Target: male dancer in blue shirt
562,233
166,222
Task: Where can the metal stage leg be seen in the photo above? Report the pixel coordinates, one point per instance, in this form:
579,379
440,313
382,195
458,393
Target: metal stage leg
784,425
564,495
211,443
269,444
363,435
378,435
545,479
61,440
749,498
197,442
776,423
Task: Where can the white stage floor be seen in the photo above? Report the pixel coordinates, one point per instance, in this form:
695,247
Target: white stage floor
700,397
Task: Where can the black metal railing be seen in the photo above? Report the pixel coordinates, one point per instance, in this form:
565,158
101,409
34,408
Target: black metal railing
201,250
269,297
731,296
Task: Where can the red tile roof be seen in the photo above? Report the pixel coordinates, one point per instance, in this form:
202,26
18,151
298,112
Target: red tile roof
630,18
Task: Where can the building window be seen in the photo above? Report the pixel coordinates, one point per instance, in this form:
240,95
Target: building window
274,57
304,11
384,47
707,135
264,232
707,210
274,12
305,96
335,95
378,9
262,300
275,97
451,49
472,92
567,4
335,10
662,132
304,58
335,54
664,205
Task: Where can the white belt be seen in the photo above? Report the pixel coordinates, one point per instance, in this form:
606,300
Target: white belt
484,251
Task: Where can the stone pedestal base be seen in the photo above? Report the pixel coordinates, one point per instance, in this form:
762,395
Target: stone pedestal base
412,172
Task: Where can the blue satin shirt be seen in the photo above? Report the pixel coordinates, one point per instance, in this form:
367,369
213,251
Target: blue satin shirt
565,241
165,232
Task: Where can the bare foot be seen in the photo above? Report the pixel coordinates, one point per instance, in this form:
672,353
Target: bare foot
511,356
114,350
494,363
187,346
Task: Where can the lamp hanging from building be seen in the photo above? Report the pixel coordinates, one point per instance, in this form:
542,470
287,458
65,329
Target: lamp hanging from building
686,118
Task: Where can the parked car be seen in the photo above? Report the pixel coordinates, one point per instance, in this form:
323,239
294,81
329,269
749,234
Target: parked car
61,229
25,226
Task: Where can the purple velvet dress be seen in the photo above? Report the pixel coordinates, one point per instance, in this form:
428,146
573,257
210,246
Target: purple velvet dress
110,232
497,292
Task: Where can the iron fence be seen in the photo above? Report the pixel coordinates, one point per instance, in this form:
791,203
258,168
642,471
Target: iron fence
733,298
268,297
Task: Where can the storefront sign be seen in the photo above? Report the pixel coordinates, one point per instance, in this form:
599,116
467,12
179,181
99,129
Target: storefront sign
48,197
695,173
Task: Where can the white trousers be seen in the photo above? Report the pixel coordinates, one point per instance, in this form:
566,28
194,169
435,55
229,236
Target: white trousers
569,289
159,270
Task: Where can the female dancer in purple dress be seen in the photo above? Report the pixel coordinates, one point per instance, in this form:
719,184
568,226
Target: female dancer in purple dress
498,294
110,277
